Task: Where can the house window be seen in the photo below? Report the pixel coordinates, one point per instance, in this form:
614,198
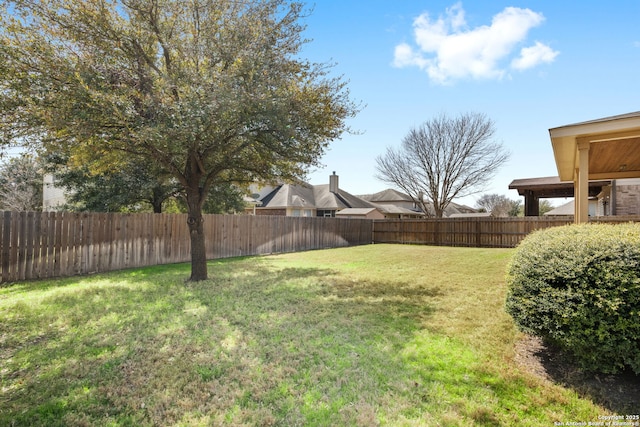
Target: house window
301,212
326,213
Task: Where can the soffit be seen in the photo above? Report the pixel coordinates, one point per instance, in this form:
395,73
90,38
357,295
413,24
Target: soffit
614,147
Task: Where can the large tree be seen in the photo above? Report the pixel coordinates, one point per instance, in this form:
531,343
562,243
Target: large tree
208,90
442,159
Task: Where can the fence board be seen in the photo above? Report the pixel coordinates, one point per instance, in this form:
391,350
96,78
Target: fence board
15,251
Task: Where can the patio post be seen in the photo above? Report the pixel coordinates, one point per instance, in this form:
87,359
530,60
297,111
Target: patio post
581,187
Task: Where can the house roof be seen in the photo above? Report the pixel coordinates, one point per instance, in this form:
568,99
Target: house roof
289,195
566,209
397,210
356,211
388,195
311,196
326,199
462,208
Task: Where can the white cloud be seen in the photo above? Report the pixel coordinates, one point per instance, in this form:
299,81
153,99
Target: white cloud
448,50
534,55
404,56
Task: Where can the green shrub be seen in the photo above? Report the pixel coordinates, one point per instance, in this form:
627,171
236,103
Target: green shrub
579,287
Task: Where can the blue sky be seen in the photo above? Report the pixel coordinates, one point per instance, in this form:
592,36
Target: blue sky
529,66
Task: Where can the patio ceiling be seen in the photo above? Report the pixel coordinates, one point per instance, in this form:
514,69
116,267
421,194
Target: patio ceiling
607,148
614,147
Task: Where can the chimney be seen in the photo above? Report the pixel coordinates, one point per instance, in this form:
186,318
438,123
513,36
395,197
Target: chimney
333,182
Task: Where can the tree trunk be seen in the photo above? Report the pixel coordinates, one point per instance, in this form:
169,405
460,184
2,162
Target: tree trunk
438,210
195,221
158,196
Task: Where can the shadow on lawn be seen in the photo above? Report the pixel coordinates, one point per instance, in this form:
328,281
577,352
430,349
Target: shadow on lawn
143,347
618,393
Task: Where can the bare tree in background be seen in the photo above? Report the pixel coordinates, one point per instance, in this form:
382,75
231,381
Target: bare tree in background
443,159
516,208
501,206
497,205
21,184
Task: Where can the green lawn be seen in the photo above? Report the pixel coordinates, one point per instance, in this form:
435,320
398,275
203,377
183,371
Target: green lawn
370,335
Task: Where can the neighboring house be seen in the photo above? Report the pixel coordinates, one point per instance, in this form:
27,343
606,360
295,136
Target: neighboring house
306,200
367,213
395,204
457,210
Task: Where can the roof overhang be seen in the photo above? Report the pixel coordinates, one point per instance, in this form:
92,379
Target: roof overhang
552,187
614,147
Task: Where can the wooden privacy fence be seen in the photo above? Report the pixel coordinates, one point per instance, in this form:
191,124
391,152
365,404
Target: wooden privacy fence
477,232
53,244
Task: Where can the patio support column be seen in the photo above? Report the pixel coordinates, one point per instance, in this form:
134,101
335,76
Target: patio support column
581,184
531,204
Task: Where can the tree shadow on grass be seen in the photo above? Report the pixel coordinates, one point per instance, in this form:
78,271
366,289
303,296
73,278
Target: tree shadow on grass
250,345
618,393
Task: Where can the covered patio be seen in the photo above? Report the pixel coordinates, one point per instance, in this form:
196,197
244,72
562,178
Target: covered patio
534,189
601,149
